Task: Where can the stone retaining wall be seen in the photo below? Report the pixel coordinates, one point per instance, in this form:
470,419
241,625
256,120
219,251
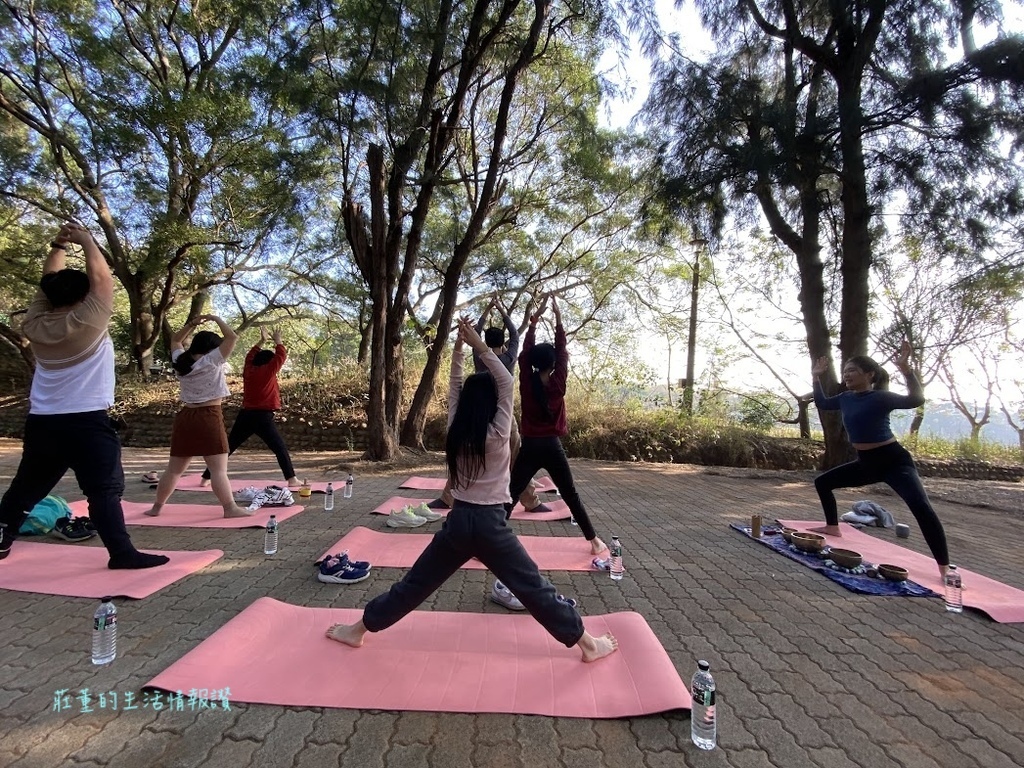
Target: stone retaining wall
152,429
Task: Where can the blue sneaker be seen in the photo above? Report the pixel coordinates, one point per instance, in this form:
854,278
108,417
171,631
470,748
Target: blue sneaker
338,569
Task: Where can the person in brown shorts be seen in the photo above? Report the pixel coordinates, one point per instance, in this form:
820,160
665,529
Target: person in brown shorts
199,426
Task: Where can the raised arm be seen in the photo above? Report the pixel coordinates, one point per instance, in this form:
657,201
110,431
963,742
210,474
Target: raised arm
821,400
455,379
178,338
230,337
510,327
915,392
101,280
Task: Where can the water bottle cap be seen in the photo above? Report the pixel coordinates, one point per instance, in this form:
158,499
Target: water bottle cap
704,666
952,567
106,599
273,517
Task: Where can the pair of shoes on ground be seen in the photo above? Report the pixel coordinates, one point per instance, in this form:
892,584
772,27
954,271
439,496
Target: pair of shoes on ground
339,569
151,477
412,517
74,529
503,596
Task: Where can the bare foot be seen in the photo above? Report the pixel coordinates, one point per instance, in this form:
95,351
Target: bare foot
237,511
153,511
349,634
597,546
828,530
595,648
293,482
204,483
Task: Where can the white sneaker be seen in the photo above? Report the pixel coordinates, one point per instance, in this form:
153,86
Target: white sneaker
427,513
503,596
404,518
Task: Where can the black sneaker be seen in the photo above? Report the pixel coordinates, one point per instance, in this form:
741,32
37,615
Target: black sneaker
72,530
6,540
86,523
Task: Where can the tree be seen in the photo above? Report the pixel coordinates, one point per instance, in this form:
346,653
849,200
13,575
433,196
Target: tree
411,100
813,110
151,124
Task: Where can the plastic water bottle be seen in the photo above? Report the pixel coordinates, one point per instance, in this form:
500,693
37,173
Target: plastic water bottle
270,540
104,632
348,486
703,729
954,591
616,569
329,498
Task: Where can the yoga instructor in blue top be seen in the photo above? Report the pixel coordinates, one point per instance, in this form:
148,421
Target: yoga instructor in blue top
865,406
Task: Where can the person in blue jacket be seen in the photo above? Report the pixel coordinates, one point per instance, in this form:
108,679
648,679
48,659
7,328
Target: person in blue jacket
865,406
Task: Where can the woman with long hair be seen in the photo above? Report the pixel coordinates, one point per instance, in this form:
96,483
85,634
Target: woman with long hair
865,406
477,454
198,428
543,373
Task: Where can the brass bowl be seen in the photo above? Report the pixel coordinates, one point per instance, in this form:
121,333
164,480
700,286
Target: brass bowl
787,534
808,542
845,558
892,572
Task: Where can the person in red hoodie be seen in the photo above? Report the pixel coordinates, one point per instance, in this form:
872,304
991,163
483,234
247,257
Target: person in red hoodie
543,373
260,398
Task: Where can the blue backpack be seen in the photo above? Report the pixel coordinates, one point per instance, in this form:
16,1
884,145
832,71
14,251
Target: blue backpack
45,515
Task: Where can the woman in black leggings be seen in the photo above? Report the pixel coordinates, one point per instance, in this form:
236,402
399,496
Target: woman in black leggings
543,372
865,406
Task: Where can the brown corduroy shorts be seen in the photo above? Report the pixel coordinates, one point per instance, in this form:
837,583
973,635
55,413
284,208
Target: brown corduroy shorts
199,432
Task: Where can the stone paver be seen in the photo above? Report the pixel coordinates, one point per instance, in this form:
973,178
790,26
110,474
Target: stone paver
808,673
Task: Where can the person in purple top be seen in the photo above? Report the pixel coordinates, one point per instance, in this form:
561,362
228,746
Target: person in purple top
865,406
476,448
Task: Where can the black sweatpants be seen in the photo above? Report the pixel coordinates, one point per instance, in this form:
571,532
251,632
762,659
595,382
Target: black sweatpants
537,453
475,530
893,465
251,422
85,443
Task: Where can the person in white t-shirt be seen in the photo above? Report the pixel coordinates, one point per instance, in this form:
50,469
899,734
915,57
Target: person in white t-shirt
72,388
199,426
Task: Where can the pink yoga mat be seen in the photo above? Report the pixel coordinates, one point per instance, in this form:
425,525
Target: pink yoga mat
1002,603
433,661
80,570
417,483
395,550
193,515
559,509
191,483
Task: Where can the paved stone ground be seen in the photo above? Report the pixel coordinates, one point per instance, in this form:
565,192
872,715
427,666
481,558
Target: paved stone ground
808,673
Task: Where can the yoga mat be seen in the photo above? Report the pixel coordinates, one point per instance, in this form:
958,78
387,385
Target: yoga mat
544,484
559,509
192,515
1002,603
431,661
191,483
862,584
388,550
77,570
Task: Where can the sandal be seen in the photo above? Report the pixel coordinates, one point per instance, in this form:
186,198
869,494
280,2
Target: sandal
151,477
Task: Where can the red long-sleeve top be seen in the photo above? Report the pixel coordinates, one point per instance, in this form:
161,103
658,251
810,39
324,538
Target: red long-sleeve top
534,423
259,382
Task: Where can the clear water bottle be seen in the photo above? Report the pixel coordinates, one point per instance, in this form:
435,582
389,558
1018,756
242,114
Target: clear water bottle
703,729
616,570
104,632
954,591
270,540
329,498
348,486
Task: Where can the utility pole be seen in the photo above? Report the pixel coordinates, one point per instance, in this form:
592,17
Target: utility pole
698,245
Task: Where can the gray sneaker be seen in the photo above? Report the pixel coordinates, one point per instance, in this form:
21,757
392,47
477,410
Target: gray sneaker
503,596
404,518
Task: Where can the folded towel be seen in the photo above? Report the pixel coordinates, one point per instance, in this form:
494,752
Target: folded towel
881,517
